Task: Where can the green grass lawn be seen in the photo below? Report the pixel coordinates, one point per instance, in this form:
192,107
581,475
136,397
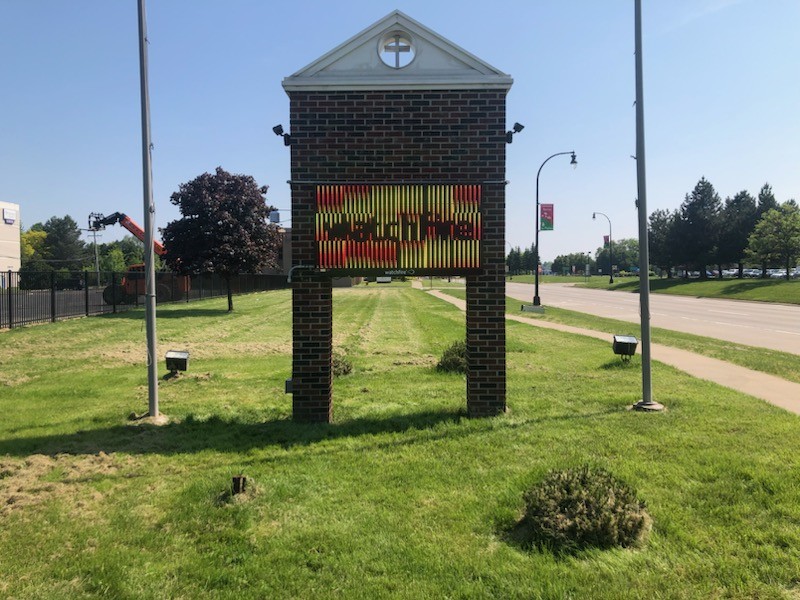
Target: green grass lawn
401,497
774,362
762,290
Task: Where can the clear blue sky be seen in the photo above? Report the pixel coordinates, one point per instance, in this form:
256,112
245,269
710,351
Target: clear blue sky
721,89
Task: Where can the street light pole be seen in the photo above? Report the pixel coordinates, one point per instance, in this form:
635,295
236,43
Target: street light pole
646,403
536,300
610,247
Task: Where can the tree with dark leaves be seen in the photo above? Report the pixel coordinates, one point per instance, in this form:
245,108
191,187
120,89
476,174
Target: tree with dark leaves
224,228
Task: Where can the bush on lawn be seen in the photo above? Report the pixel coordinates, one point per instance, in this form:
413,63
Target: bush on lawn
454,358
341,365
585,507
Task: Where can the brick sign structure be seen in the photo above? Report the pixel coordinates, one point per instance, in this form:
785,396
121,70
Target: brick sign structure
398,167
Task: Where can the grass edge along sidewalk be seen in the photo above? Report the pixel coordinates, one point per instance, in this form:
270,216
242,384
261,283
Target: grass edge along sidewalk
772,362
769,388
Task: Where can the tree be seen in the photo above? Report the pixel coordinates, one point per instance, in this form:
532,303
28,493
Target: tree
626,255
766,200
34,270
64,247
530,261
571,263
223,229
776,237
661,236
33,244
738,220
514,261
697,227
121,254
132,249
113,260
766,203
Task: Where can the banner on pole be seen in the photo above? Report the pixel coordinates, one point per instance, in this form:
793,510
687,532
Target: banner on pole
605,241
546,222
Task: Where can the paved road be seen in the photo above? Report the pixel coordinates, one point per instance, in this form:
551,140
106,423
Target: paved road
765,325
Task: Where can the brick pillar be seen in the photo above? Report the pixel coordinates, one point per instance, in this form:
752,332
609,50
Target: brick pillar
312,318
486,322
312,341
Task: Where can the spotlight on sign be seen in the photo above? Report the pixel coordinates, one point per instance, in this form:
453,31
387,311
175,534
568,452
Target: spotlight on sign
516,129
278,130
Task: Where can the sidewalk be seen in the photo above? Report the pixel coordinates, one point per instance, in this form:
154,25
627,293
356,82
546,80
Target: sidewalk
769,388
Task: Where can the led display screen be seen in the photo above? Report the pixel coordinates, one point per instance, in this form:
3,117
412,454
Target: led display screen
398,229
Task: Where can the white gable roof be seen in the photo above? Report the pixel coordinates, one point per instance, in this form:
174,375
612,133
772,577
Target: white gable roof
437,64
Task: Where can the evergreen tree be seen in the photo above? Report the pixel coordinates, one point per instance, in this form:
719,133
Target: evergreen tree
64,248
514,261
530,259
661,236
766,200
738,220
697,227
766,203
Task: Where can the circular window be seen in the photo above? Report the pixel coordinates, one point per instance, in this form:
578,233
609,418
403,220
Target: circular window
396,49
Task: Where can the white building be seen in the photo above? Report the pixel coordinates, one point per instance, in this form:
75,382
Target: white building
9,240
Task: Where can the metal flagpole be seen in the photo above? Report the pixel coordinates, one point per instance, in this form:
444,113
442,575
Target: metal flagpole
149,213
646,403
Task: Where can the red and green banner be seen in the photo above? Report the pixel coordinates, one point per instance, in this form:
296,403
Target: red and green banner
398,229
546,217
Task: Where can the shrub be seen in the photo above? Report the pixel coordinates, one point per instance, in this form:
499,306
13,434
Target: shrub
585,507
341,366
454,358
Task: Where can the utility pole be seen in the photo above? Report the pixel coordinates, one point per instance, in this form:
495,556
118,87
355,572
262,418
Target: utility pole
93,231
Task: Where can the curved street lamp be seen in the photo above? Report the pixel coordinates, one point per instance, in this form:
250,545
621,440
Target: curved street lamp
610,247
574,162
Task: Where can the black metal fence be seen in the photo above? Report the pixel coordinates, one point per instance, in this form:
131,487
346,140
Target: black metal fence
37,297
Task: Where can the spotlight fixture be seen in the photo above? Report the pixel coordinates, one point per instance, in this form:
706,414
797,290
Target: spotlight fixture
574,161
510,134
278,130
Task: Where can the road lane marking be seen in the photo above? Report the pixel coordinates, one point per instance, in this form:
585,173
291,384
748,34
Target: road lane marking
727,312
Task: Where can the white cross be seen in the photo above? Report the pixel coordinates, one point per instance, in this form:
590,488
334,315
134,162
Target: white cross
397,46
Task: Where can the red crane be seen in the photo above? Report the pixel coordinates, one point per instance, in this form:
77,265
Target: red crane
132,285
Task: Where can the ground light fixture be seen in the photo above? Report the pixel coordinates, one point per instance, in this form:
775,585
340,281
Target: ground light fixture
177,360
